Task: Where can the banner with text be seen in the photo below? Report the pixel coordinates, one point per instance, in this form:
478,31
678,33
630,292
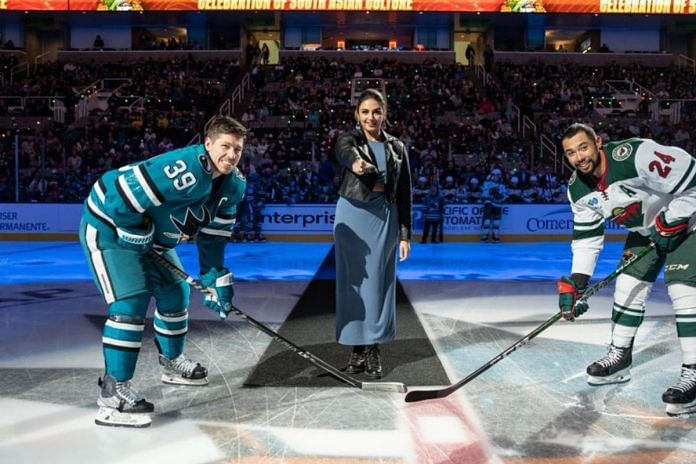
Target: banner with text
508,6
315,219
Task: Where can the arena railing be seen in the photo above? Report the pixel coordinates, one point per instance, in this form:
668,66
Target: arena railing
359,56
652,59
687,62
227,107
114,56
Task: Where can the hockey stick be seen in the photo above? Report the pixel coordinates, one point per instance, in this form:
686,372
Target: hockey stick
420,395
397,387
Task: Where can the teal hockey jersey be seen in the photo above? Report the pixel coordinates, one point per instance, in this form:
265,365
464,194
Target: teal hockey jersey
175,191
641,179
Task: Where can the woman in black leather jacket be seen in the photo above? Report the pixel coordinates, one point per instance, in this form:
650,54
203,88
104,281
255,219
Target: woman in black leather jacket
373,220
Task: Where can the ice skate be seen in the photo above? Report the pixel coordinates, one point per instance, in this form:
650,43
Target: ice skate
121,406
183,371
615,367
681,397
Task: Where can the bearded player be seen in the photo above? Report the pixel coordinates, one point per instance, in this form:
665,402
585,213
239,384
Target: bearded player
649,189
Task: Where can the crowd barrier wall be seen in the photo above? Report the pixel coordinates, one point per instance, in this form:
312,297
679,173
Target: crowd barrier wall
314,222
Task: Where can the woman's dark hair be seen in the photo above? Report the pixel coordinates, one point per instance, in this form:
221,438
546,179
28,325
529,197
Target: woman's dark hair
373,94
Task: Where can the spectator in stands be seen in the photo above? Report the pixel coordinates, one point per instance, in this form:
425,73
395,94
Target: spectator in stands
514,191
474,191
373,216
488,56
98,42
265,54
470,53
420,190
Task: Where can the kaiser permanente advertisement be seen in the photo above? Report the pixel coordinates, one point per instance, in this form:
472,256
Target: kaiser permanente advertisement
518,221
488,6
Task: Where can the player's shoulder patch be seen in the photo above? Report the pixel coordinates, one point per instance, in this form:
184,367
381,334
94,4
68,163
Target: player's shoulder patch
622,152
573,178
206,164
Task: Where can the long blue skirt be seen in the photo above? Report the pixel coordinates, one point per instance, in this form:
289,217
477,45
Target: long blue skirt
366,237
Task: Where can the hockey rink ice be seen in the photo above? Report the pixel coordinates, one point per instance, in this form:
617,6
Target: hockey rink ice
473,300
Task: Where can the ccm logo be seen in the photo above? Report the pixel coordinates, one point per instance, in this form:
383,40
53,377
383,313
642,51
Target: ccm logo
677,267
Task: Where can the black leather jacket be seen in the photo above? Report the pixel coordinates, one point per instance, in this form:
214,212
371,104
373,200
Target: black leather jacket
353,145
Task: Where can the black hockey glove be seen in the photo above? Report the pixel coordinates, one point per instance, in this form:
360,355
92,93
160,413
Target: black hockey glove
667,236
570,289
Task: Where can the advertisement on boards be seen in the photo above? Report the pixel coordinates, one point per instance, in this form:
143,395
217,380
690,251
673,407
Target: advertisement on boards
318,219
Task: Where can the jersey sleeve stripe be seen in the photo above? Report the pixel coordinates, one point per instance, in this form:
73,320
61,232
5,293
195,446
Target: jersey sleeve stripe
583,234
225,221
149,185
100,191
222,215
690,173
221,233
588,225
127,195
98,213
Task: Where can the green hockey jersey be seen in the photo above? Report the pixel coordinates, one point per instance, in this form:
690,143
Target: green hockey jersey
641,179
175,191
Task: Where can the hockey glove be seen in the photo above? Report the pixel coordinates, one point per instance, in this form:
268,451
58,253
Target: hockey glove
569,292
667,236
138,240
220,283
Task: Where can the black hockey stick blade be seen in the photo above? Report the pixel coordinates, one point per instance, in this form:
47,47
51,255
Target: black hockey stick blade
421,395
396,387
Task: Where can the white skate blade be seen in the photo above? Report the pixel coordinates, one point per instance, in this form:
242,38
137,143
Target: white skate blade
621,376
676,409
114,418
179,380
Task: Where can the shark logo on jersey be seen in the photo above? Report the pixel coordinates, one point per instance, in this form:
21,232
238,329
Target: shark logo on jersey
628,216
622,152
189,226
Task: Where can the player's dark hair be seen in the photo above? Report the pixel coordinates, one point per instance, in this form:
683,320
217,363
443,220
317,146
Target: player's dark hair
578,127
225,125
373,94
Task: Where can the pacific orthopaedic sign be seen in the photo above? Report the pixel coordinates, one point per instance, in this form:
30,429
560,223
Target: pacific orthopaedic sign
464,6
